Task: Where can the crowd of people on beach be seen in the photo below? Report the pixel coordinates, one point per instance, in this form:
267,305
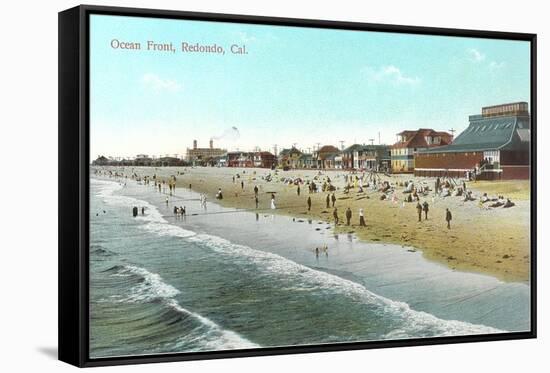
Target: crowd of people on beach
331,188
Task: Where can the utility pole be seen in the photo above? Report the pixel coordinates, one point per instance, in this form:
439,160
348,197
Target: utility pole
452,131
371,141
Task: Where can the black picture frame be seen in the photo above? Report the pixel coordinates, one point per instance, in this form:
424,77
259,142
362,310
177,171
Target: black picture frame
74,161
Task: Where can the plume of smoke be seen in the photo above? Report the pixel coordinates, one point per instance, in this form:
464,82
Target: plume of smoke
229,134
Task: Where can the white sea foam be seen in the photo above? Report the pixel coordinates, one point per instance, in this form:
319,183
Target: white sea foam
215,337
211,336
412,324
151,288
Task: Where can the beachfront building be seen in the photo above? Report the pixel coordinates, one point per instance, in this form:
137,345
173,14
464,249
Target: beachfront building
168,162
366,157
289,158
496,145
339,161
203,156
410,142
102,161
264,159
326,156
348,156
307,160
372,157
240,159
248,159
143,160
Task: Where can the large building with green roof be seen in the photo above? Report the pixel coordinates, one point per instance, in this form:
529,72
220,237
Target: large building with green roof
496,145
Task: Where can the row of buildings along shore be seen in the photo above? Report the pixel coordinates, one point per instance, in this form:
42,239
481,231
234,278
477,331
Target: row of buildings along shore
495,146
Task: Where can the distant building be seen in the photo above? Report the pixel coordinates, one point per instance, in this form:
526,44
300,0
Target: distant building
264,160
258,159
203,156
410,142
496,145
168,162
102,161
372,157
326,156
366,157
143,160
348,160
289,158
240,159
307,160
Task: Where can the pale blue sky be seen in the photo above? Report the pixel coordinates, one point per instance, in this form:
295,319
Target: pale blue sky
295,85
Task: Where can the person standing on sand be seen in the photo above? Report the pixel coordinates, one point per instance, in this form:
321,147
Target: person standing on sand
135,211
242,184
256,191
328,200
448,218
273,207
348,216
308,203
166,201
335,215
298,190
425,208
419,210
362,218
333,199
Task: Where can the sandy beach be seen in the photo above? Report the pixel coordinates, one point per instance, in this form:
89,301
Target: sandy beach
492,241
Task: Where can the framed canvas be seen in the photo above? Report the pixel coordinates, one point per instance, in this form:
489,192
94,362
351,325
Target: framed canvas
236,186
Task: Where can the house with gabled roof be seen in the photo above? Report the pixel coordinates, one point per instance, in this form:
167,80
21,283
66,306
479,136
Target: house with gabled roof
326,156
410,142
348,156
289,158
495,145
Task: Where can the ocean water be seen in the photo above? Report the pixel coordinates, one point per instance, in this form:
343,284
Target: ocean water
226,279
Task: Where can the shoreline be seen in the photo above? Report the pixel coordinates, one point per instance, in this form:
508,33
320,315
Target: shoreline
389,271
493,242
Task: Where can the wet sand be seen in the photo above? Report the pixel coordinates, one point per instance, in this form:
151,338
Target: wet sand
491,241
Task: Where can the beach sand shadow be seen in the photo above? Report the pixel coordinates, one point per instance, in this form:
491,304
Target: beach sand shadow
51,352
